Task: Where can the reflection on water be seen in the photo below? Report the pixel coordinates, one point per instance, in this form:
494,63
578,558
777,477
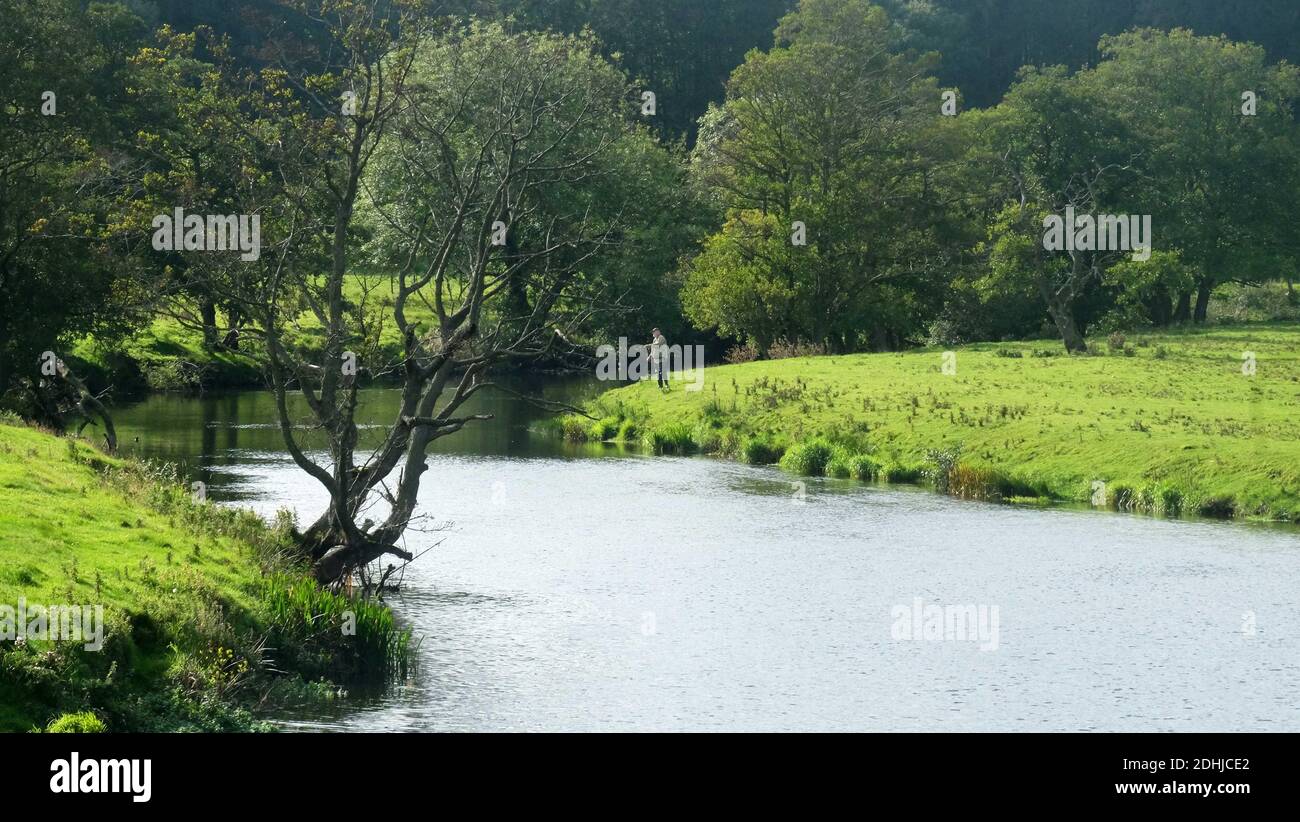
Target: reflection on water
213,438
638,593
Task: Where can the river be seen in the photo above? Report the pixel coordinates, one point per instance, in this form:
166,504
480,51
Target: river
596,588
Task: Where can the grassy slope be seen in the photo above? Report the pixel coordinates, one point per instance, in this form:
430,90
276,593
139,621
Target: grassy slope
182,585
168,356
56,511
1178,414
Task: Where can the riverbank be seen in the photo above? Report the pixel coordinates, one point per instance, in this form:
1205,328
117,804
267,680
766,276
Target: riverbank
1203,421
168,355
207,622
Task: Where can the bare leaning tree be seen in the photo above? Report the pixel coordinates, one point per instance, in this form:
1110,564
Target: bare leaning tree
476,170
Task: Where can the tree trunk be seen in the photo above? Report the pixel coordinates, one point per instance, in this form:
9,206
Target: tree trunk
1160,307
1183,312
208,313
1067,327
1203,290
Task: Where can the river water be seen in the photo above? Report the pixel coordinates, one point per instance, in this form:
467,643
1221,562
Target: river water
594,588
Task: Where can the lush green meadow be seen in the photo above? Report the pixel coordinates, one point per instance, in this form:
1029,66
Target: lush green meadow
205,613
1169,422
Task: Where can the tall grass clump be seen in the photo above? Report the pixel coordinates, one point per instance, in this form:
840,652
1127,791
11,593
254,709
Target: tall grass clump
984,482
761,451
670,438
808,458
332,635
1122,497
1160,499
574,428
900,472
81,722
840,465
863,468
603,429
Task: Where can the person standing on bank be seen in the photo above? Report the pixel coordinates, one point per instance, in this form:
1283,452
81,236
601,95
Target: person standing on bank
659,365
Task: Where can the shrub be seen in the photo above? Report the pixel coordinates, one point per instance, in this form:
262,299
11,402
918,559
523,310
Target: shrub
1009,353
575,428
627,431
1116,341
944,461
729,443
707,438
603,429
741,353
863,468
973,482
784,349
1217,507
840,465
83,722
807,458
307,624
903,473
1158,499
760,451
1268,302
1123,497
671,438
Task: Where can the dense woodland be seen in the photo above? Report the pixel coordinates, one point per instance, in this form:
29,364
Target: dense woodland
825,117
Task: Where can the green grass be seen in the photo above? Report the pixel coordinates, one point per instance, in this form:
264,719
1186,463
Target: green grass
1170,425
167,355
194,597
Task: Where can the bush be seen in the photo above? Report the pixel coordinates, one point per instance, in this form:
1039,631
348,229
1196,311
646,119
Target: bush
83,722
575,428
1123,497
1217,507
840,464
707,438
760,451
902,473
1267,302
944,461
808,458
627,431
991,484
741,353
784,349
603,429
863,468
307,626
1158,499
671,438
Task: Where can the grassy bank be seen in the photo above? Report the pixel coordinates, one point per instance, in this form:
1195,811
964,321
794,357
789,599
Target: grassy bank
207,618
167,355
1167,421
